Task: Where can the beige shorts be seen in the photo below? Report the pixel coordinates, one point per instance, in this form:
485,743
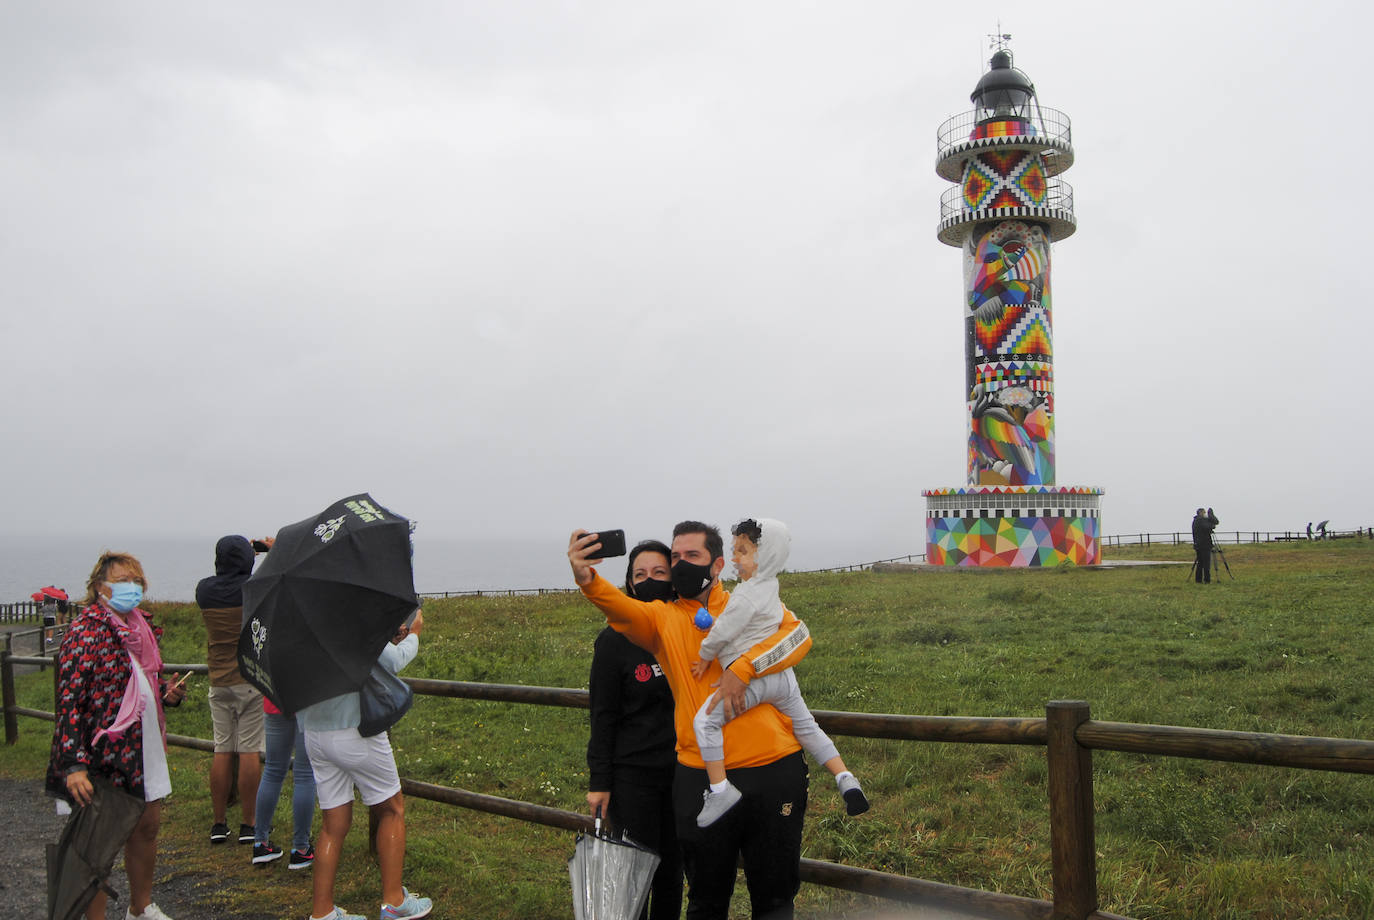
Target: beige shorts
236,712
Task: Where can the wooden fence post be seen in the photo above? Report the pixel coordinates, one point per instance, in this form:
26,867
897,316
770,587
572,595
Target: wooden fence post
7,694
1073,849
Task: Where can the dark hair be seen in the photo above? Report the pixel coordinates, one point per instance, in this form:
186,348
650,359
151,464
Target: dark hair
643,546
748,528
715,545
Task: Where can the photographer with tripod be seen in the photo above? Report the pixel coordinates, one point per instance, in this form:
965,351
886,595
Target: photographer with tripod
1203,524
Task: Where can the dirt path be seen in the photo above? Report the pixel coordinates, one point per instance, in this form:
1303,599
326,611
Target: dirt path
30,824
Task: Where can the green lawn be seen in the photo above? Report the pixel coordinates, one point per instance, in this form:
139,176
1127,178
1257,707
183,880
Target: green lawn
1281,648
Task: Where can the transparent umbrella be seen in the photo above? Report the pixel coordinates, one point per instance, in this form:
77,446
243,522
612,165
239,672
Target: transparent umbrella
610,877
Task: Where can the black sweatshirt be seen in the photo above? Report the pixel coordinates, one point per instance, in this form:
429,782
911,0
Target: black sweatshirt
632,733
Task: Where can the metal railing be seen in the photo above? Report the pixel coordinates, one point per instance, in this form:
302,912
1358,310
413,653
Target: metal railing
1067,732
497,592
1058,197
1049,125
1181,538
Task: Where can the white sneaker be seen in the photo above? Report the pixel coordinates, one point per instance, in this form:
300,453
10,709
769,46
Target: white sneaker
151,912
340,914
715,804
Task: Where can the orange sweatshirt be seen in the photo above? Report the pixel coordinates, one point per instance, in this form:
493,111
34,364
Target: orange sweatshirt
665,629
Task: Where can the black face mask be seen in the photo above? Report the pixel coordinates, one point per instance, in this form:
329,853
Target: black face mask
654,589
689,580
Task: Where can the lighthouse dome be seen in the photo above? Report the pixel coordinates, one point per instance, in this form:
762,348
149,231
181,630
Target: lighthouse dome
1003,90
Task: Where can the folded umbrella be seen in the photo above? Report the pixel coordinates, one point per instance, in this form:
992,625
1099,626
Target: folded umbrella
80,861
331,593
610,878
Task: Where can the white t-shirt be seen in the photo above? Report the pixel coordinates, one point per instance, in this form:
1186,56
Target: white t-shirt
157,780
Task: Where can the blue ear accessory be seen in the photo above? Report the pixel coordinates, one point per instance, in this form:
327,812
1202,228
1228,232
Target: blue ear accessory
703,619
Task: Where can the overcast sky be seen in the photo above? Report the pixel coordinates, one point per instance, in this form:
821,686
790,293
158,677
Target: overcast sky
519,267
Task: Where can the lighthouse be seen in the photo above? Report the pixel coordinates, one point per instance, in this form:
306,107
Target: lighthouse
1008,206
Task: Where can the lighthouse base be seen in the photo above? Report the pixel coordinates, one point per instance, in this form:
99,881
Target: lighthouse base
1013,526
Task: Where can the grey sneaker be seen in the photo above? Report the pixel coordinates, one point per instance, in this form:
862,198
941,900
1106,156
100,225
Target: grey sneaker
411,908
716,804
855,802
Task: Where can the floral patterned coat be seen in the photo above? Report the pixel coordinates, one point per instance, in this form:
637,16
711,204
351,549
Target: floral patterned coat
93,670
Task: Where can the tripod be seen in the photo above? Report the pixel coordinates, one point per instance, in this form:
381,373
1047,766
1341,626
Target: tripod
1218,556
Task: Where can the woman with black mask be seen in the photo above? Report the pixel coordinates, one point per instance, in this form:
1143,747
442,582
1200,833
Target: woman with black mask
631,755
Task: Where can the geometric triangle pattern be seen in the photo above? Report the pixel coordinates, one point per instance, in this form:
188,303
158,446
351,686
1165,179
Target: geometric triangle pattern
1004,179
978,184
1030,336
1031,181
1022,542
992,332
1037,376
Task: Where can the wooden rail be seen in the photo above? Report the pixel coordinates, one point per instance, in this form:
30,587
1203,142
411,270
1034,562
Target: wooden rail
1068,734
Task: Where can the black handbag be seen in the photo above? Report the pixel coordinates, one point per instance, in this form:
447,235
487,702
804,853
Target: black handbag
383,699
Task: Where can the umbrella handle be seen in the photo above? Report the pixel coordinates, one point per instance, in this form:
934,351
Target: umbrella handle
598,821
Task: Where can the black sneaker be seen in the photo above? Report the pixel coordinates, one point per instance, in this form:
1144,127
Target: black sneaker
301,860
264,853
219,833
246,833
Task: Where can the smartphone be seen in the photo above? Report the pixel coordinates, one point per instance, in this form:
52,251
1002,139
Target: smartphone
612,544
260,547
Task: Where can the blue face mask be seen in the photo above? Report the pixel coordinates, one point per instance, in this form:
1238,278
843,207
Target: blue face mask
124,596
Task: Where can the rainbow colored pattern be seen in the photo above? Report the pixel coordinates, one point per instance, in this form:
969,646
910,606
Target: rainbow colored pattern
1010,127
1023,542
1004,179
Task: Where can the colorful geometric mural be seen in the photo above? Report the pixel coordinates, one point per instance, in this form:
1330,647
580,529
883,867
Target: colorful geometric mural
1010,355
1009,205
1020,541
1003,127
1004,179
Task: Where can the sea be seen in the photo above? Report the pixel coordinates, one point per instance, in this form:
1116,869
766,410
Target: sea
174,564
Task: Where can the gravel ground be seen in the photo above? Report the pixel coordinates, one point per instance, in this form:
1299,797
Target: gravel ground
32,824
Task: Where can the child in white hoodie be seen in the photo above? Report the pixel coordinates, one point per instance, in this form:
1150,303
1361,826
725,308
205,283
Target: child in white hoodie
752,614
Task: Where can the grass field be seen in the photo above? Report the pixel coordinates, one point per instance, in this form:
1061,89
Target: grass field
1284,647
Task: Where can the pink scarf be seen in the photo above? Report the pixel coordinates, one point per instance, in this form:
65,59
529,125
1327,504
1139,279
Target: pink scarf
139,642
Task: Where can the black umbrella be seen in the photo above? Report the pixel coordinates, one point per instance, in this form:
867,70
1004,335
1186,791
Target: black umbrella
330,594
80,861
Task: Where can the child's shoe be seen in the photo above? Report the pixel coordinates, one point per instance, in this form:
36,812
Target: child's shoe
411,908
855,802
716,804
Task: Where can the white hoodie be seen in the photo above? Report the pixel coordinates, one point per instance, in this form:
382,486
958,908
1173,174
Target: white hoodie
754,610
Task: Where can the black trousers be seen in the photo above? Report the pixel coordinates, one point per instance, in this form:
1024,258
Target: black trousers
764,829
1204,562
644,812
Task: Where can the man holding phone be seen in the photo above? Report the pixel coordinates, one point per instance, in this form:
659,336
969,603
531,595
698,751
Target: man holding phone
763,757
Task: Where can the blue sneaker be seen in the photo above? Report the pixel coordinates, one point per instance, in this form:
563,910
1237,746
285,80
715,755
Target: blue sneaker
412,908
339,914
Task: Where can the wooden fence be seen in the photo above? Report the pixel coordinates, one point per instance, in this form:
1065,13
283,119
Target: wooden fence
1067,732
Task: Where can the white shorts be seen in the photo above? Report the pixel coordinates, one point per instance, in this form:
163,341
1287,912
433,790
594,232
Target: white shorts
344,759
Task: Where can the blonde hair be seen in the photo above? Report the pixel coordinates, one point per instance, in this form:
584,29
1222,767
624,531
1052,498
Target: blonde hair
107,561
